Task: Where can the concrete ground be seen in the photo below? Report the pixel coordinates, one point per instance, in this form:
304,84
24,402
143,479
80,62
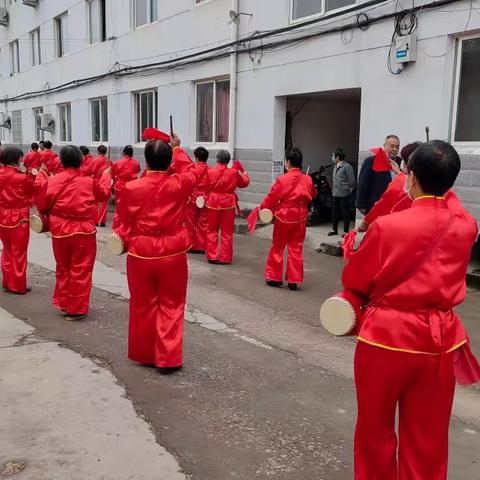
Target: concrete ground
265,392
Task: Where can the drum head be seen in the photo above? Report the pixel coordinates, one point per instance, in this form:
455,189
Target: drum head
337,316
266,215
34,172
200,202
36,224
115,245
22,169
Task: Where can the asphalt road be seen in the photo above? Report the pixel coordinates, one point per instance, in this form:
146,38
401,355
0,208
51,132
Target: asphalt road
271,398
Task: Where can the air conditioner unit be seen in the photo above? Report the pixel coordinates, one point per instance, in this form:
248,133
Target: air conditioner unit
4,17
30,3
5,121
47,122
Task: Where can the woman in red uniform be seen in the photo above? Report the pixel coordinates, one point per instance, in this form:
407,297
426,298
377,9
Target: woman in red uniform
88,163
50,159
69,199
32,159
410,340
152,225
101,163
198,215
221,205
16,196
123,171
288,200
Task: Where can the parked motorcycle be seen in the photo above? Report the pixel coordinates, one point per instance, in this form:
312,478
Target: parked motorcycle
321,206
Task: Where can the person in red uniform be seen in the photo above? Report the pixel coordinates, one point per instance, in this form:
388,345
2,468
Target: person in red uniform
123,171
288,200
50,158
16,196
69,199
101,163
222,205
152,225
198,216
410,336
33,158
88,163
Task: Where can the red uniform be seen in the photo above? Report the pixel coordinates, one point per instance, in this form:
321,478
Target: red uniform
70,199
152,217
221,204
198,217
101,163
16,194
32,159
50,159
288,200
409,337
87,169
123,171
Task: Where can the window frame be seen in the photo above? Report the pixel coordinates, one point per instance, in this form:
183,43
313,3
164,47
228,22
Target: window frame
473,146
102,22
36,111
17,134
137,112
32,47
68,126
149,14
214,142
61,47
318,15
103,138
14,46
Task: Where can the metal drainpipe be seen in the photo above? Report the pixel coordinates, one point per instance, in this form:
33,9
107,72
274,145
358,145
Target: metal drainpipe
233,83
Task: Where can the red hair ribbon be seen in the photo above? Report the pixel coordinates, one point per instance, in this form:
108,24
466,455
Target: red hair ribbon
252,220
381,163
154,134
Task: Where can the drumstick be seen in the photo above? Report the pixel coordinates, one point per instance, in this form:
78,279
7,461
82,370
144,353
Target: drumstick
308,169
171,125
427,131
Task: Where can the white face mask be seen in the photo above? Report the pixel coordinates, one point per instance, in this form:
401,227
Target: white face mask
334,159
408,187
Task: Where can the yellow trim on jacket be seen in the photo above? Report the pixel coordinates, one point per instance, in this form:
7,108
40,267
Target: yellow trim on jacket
73,234
159,258
404,350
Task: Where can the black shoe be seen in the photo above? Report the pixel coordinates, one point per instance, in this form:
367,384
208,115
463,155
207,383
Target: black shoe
274,283
214,262
13,292
332,233
169,370
223,263
103,225
70,317
292,286
197,252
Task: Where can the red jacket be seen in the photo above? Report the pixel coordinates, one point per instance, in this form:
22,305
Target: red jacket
124,171
70,200
51,161
153,210
87,169
289,197
101,163
32,159
222,183
410,293
16,196
201,188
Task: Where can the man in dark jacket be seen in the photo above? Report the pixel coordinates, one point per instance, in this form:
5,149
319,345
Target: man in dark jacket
372,184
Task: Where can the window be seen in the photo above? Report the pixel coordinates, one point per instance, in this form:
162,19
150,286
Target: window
99,119
61,35
39,134
14,57
213,110
65,115
96,21
467,99
17,131
145,11
145,112
35,47
308,8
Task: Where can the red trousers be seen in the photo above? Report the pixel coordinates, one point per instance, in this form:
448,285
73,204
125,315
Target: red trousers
75,257
198,223
422,386
221,223
102,209
14,257
292,236
158,291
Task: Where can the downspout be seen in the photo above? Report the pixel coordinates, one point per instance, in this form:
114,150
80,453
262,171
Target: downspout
233,82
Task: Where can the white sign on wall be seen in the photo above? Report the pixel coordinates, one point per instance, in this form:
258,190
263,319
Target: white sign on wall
278,169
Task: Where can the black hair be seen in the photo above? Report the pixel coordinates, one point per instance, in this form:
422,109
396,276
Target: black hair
85,150
158,155
11,156
47,144
34,146
71,156
390,137
223,157
102,149
436,166
295,157
41,142
128,150
408,150
201,154
340,153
